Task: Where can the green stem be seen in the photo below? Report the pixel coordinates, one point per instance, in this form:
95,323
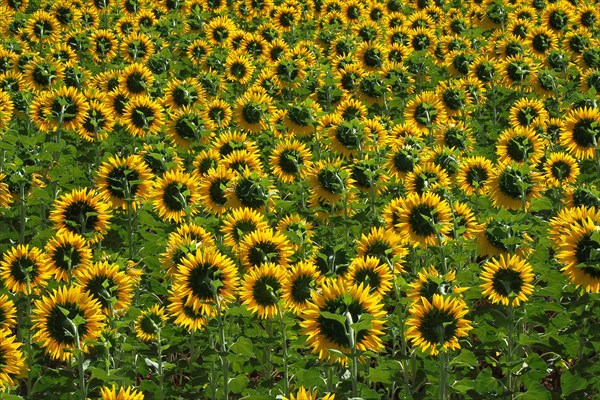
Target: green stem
286,372
510,344
223,352
443,375
354,355
22,209
161,381
79,356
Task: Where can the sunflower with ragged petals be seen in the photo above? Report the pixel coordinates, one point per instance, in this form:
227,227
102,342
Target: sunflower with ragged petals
298,230
498,237
528,113
264,246
425,111
121,394
423,219
560,169
13,363
261,289
513,186
184,315
107,284
437,325
520,145
125,182
579,256
290,160
175,195
6,109
350,304
581,133
149,323
68,253
569,217
299,283
8,313
179,246
65,108
143,116
250,189
240,222
213,190
82,211
205,277
507,280
430,282
64,316
183,93
24,269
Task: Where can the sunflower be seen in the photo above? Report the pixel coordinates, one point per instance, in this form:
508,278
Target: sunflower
300,118
371,56
589,79
63,54
528,113
121,394
425,111
220,30
438,324
330,180
136,47
180,94
42,27
219,112
581,133
430,282
198,50
290,160
6,109
517,72
143,116
350,109
64,108
24,269
474,175
587,15
298,286
185,315
188,126
520,145
252,111
383,245
371,273
136,79
348,138
97,122
202,276
125,182
68,253
149,323
567,219
402,159
507,280
418,217
290,72
240,222
427,177
286,16
241,160
560,169
261,289
179,246
160,158
250,189
453,97
175,195
13,362
103,45
298,231
512,186
465,222
112,288
64,316
213,190
582,195
239,68
306,394
349,303
579,256
264,246
8,313
498,236
558,16
82,211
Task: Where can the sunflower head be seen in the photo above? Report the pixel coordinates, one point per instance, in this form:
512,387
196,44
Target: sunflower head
507,280
150,322
261,290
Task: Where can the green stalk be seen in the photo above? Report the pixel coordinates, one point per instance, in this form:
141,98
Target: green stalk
161,380
443,375
223,352
79,356
29,381
22,208
510,343
354,354
286,373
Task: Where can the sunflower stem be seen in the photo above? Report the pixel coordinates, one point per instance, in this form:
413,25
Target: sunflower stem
285,354
443,375
510,344
351,333
79,357
223,352
29,381
161,381
22,209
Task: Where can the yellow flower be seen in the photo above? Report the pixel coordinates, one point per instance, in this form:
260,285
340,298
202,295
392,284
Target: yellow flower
507,280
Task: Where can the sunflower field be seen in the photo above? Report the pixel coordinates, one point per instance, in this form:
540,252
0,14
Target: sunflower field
299,199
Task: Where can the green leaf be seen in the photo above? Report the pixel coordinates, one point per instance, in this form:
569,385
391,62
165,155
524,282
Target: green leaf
339,318
237,384
243,346
466,358
571,383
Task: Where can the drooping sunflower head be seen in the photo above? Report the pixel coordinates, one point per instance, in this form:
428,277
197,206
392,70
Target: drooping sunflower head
68,253
437,325
579,256
332,310
290,160
143,116
581,133
261,289
65,316
265,246
12,361
513,186
24,269
240,222
507,280
370,272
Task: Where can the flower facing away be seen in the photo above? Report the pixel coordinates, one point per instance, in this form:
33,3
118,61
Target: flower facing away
261,289
307,394
149,323
507,280
65,316
329,319
438,324
24,269
121,394
12,362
